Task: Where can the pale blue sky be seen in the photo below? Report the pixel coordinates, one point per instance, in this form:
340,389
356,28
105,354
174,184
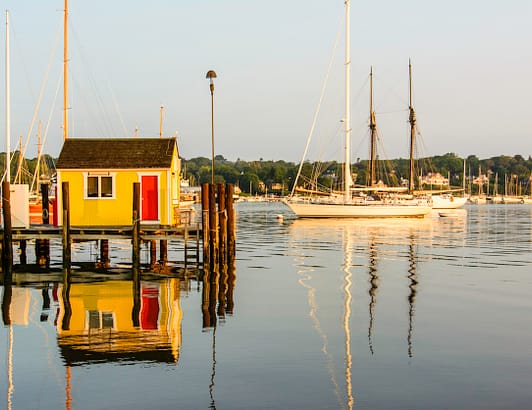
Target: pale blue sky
472,62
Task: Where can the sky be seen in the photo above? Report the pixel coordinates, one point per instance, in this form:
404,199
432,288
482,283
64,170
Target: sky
471,59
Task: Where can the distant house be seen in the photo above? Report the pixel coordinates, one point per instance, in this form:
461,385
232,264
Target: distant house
434,178
101,173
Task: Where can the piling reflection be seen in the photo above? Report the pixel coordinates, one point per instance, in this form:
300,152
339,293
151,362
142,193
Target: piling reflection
218,293
217,301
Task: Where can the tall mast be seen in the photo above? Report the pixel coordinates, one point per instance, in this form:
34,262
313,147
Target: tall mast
373,129
39,153
65,73
412,120
18,175
8,103
347,120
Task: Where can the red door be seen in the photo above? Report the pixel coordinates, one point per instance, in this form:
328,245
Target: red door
150,198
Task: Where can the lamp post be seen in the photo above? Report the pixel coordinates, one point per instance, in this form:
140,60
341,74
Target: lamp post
210,75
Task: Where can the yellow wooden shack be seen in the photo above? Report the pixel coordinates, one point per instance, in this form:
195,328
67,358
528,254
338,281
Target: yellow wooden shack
101,173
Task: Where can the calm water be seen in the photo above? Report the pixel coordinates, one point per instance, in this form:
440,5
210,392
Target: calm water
393,314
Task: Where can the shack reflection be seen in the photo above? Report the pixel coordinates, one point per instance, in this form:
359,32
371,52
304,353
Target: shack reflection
96,323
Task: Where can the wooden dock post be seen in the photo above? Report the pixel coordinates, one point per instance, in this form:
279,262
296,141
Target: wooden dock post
104,252
42,252
163,251
7,243
135,241
66,225
213,226
45,204
231,226
22,245
205,223
222,225
153,252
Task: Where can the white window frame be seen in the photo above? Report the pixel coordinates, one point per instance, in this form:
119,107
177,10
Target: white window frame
99,175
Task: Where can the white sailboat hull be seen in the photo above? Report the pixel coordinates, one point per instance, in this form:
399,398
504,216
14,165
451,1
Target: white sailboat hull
447,202
323,210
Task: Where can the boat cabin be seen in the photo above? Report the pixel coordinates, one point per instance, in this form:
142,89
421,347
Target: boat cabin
101,173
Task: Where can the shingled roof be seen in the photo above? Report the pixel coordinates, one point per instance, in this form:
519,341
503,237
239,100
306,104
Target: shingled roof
116,153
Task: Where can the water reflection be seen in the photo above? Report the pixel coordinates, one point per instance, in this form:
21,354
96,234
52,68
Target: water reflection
412,295
99,322
118,320
347,316
363,243
374,285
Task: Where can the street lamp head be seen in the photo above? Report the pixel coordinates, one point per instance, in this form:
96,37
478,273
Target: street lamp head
210,75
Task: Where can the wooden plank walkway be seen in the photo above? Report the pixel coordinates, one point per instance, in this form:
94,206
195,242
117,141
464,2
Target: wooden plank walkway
91,233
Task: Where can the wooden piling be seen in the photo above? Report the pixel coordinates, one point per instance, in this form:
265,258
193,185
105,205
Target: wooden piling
104,252
66,225
231,226
7,243
22,245
222,225
213,226
135,241
205,223
42,252
163,251
153,252
45,204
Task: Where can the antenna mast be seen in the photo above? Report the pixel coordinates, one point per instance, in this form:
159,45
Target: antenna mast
412,120
347,120
65,73
8,103
373,129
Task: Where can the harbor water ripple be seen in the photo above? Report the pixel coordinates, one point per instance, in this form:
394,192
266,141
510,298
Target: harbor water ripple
315,314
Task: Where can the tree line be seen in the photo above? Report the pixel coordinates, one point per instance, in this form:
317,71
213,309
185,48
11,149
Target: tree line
277,177
260,177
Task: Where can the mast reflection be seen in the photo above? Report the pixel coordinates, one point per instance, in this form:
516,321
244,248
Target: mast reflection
374,282
347,317
412,295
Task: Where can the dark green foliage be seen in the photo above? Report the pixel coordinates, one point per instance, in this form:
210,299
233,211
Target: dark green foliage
278,176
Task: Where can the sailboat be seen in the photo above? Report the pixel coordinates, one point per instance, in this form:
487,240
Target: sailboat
345,205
